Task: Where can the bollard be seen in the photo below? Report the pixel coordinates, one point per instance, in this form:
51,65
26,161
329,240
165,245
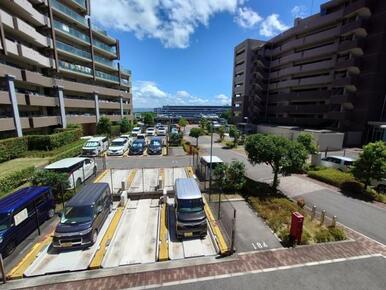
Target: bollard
333,223
313,213
322,216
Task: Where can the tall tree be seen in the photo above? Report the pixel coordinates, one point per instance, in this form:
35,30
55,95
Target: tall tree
203,123
221,133
196,133
126,125
183,123
371,163
284,156
230,177
104,126
148,118
235,134
227,115
307,140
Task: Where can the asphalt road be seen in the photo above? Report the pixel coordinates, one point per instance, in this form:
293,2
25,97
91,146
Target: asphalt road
356,274
145,162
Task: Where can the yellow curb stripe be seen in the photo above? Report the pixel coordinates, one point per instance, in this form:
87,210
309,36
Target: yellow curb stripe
131,176
164,151
100,176
189,171
18,271
163,236
96,262
224,249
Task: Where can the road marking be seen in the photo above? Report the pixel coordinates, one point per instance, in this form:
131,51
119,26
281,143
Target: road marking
18,271
100,176
163,235
254,247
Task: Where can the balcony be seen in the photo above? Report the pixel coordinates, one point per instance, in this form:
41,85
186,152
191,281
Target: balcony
354,45
125,82
5,100
345,81
69,12
76,4
111,50
125,72
348,63
341,99
40,122
303,109
336,115
43,101
356,27
73,50
104,61
71,32
109,105
76,68
78,103
103,35
80,119
106,76
358,7
113,118
25,10
300,96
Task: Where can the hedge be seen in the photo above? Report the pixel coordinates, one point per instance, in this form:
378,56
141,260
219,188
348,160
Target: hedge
74,151
50,142
12,148
115,130
331,176
15,179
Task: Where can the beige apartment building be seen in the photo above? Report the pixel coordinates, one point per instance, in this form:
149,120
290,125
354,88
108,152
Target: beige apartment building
56,68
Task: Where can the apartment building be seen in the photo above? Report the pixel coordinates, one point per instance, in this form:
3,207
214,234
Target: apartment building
326,72
57,68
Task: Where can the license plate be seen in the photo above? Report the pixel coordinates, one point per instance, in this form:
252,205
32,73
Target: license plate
188,234
66,245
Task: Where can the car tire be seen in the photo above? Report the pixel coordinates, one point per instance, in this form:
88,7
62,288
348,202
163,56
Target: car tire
51,213
95,171
94,237
10,248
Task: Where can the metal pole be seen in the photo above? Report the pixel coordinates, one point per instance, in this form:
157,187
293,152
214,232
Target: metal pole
210,164
233,231
37,218
111,179
143,182
62,191
219,205
2,269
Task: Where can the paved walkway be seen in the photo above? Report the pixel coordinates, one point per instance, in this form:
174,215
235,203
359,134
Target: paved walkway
357,245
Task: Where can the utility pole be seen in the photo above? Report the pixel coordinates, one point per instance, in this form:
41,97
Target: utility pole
210,162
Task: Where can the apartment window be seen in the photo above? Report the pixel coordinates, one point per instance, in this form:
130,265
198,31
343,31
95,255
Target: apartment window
237,105
237,95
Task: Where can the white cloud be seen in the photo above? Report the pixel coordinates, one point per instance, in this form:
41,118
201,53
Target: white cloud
299,11
147,94
171,21
247,17
271,26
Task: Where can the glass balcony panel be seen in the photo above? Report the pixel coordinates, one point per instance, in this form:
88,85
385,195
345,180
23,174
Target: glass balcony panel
104,61
75,67
59,6
74,50
71,31
81,2
107,76
104,46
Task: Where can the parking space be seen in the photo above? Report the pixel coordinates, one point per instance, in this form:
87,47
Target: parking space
171,174
145,180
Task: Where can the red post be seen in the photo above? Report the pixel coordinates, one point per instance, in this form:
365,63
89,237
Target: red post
296,226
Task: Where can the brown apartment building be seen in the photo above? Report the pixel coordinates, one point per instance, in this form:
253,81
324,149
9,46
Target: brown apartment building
56,68
326,72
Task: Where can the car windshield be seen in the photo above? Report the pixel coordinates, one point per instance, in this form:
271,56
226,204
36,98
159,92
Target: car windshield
155,143
4,221
76,214
190,205
91,144
150,129
137,145
117,143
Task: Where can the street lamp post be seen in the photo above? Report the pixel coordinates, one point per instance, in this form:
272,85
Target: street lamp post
210,162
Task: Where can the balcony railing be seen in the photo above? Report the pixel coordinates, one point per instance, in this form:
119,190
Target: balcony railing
73,50
126,71
71,31
103,46
80,2
75,67
104,61
107,76
62,8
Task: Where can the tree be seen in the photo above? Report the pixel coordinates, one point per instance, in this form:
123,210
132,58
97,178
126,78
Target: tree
196,133
230,177
371,163
227,115
50,178
148,118
235,134
221,133
104,126
175,139
283,155
307,140
183,123
203,123
126,125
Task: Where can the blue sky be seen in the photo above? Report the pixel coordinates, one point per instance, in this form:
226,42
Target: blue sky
181,51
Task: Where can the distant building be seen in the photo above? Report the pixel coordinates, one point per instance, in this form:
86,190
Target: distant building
190,112
326,72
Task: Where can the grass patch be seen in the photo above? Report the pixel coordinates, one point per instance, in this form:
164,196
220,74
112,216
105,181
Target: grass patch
8,167
276,210
331,176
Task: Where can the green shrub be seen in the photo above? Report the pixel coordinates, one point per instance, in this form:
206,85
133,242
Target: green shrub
229,144
115,130
352,187
15,179
51,178
337,233
12,148
331,176
71,152
56,140
323,235
306,237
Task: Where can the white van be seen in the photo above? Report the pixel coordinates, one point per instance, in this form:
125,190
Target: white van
338,162
78,168
95,146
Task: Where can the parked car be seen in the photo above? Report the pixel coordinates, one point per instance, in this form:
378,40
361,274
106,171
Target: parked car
150,131
174,131
118,147
95,146
18,215
161,131
189,209
158,125
338,162
127,137
78,169
155,146
136,131
141,136
138,147
83,217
